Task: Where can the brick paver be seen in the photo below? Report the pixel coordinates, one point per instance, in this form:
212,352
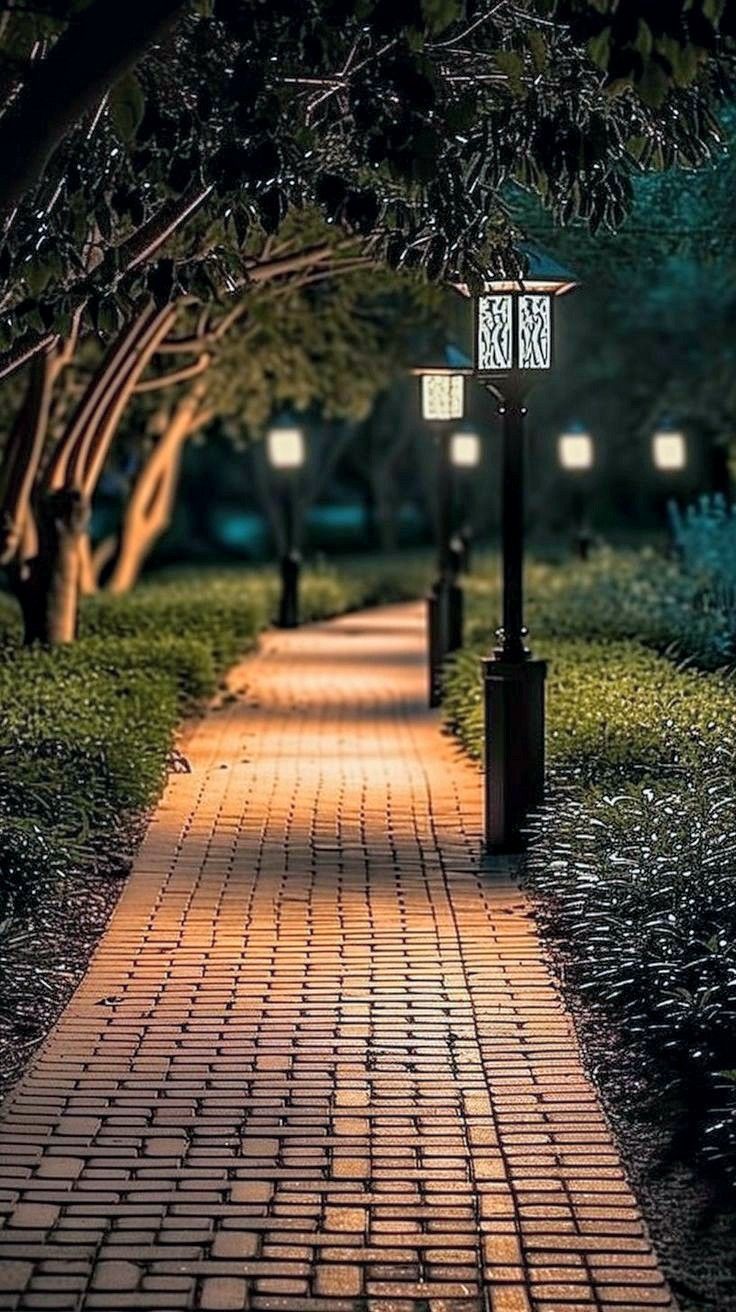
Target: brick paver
318,1063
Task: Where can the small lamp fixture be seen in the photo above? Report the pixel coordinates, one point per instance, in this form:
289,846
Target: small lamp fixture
514,322
575,449
285,446
669,448
442,384
465,450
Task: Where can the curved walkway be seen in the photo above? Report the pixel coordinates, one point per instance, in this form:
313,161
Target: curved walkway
318,1063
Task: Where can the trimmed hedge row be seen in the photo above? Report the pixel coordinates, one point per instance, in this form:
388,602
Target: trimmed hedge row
633,855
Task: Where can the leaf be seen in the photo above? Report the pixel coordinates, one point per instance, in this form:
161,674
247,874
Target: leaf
513,66
653,85
127,105
441,14
538,50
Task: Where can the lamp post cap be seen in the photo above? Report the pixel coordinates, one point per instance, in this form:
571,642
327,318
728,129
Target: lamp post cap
536,270
447,358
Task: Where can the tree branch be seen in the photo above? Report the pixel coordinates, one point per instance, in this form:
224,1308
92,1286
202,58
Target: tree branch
200,366
100,44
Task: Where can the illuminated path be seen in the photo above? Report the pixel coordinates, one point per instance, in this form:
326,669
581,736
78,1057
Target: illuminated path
318,1063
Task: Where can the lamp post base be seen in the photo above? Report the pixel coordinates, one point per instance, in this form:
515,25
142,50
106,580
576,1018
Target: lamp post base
288,616
444,631
514,735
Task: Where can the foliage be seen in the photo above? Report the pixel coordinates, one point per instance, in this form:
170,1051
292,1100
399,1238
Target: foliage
613,707
639,885
633,854
705,536
618,594
402,122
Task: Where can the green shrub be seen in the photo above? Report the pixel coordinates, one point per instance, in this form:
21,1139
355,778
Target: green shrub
612,707
639,885
638,595
223,616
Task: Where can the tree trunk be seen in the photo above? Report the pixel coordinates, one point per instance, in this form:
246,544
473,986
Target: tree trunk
149,509
51,601
87,570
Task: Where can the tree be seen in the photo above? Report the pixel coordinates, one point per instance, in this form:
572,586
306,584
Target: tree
401,121
325,344
50,472
269,345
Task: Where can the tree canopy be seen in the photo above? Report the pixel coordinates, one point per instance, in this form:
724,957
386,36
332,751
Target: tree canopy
402,122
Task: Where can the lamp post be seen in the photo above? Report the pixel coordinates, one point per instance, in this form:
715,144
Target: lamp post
465,454
285,450
513,346
576,454
442,388
669,456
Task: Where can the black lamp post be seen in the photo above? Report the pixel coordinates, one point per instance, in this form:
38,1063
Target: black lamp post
285,450
442,384
669,457
465,454
513,347
576,454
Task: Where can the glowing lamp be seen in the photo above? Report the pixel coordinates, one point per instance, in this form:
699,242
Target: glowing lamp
465,450
285,447
442,384
514,319
669,449
575,450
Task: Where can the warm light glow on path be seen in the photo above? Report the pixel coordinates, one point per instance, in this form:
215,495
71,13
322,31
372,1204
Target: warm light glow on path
318,1063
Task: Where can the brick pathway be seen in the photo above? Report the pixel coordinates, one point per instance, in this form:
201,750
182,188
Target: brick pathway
318,1063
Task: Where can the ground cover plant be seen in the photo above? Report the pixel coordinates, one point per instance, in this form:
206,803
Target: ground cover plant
633,855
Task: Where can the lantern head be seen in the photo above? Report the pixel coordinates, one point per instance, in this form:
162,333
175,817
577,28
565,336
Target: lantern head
514,321
285,446
575,449
669,448
465,449
442,383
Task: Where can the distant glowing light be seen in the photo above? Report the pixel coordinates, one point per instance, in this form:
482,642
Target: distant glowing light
465,450
285,448
575,450
669,450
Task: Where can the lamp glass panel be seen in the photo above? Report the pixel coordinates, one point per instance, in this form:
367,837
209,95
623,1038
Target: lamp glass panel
576,451
285,448
443,396
669,450
494,348
535,332
465,450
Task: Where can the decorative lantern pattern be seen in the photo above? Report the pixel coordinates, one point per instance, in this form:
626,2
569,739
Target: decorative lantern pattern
443,396
514,331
